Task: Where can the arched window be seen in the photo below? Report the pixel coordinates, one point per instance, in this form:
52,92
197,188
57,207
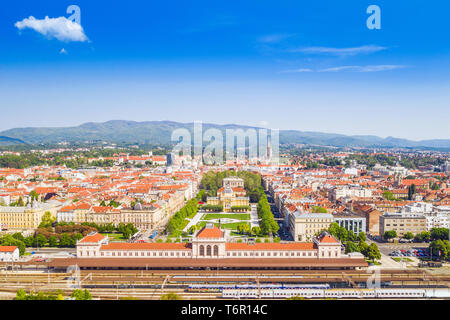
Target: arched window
208,250
216,250
202,250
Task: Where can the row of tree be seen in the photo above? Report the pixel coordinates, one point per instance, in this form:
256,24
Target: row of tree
76,294
424,236
354,243
212,208
267,221
177,222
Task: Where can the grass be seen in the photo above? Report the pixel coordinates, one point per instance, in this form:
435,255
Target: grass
404,259
232,226
238,216
114,236
375,263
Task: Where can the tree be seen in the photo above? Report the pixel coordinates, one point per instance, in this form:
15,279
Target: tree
65,241
408,236
256,231
171,296
20,202
79,294
351,247
424,236
411,191
440,248
317,209
388,195
40,240
439,234
363,247
362,237
34,196
47,220
373,252
21,295
192,229
390,235
53,241
18,236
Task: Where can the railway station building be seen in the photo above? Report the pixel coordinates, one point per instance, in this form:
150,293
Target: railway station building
211,246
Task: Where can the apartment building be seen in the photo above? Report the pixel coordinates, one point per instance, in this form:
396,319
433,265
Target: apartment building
403,223
304,226
352,192
25,218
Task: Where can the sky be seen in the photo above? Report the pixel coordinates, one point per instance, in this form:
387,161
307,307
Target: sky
303,65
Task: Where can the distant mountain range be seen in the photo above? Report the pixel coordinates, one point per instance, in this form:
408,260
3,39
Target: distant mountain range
7,141
159,132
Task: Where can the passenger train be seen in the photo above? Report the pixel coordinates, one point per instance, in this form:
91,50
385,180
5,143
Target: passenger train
391,293
222,287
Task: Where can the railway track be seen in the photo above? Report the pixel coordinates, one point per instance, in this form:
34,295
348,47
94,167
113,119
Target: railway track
151,284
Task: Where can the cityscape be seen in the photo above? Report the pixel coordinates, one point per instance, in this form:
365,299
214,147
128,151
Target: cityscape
198,153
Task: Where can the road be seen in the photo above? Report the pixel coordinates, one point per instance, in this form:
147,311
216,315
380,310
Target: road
50,250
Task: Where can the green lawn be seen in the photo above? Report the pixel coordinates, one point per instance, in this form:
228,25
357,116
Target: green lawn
238,216
114,236
375,263
231,226
404,259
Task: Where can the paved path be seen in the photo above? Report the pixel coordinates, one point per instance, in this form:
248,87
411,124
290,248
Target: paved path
254,221
194,220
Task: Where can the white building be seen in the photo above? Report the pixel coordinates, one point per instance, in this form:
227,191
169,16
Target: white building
437,220
351,171
9,253
208,243
354,191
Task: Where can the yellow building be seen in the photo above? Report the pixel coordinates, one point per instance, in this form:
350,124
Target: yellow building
25,218
303,226
229,197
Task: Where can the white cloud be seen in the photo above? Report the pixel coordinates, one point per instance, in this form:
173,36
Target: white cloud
274,38
371,68
59,28
341,51
297,70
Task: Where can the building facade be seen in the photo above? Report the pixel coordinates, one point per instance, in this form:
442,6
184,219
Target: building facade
403,223
304,226
210,242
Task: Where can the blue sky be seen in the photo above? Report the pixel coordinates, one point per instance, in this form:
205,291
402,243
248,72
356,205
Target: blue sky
305,65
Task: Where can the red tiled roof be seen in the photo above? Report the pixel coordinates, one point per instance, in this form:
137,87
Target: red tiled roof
328,239
271,246
145,246
97,237
7,248
213,232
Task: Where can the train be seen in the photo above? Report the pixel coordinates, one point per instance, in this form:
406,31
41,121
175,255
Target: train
222,287
391,293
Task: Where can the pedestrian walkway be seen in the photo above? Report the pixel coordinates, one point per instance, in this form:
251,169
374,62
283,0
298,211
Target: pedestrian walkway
254,221
194,220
